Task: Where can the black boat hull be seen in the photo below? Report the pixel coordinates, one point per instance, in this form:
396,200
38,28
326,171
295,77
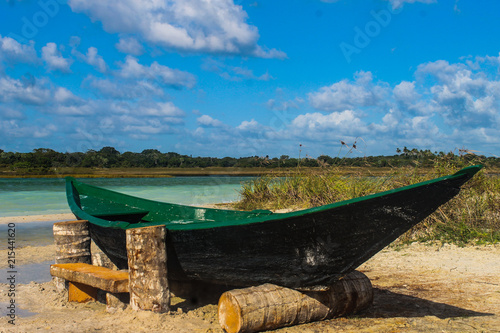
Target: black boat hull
299,251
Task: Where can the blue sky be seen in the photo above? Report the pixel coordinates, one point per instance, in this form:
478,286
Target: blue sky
242,78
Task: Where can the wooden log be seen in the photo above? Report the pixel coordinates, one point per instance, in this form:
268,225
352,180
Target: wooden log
269,306
72,241
147,262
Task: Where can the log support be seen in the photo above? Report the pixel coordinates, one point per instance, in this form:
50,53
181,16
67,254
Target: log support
72,241
268,306
146,287
147,263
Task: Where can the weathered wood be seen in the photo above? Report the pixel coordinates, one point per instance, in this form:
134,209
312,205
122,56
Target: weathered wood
72,241
81,293
269,306
95,276
147,262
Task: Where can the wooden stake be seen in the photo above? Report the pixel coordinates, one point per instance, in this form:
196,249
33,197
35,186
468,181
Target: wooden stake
72,240
269,306
147,262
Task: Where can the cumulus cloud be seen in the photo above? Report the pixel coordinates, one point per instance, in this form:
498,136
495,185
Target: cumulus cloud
131,69
129,45
116,89
54,60
207,121
249,126
446,103
217,26
345,122
92,58
27,91
166,109
463,96
343,95
13,52
8,112
14,129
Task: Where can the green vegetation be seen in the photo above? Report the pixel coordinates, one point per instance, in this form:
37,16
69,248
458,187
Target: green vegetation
108,160
472,216
297,183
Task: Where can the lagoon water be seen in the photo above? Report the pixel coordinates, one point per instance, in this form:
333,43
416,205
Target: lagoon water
36,196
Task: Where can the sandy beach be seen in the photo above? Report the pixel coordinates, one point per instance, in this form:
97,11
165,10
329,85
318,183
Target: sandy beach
417,288
37,218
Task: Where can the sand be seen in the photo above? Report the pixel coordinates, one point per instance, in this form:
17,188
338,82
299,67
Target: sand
37,218
417,288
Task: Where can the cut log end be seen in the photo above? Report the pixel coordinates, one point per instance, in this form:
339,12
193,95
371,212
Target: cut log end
269,306
229,313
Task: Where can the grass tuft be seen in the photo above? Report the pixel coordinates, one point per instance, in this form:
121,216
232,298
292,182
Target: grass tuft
473,216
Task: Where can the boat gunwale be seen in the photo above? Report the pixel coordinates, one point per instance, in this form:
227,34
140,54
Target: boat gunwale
465,172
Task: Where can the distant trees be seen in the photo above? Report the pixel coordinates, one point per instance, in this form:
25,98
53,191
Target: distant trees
45,160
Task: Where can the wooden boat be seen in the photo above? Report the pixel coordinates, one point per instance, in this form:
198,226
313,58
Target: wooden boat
301,249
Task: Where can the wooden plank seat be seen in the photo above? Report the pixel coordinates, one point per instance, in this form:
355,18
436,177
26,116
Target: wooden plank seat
85,280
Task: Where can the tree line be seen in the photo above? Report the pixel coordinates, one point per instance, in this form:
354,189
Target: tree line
43,160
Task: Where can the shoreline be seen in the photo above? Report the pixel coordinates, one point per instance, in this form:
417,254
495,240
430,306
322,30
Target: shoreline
37,218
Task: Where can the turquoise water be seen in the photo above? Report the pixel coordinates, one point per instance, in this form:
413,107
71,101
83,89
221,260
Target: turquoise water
35,196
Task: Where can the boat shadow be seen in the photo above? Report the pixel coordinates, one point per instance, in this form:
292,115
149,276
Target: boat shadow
193,295
388,304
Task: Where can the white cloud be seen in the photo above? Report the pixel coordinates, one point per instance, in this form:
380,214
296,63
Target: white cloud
399,3
54,60
7,112
217,26
14,129
346,95
166,109
12,51
345,122
249,126
129,45
409,100
92,58
118,89
160,74
29,91
207,121
233,73
63,95
464,96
